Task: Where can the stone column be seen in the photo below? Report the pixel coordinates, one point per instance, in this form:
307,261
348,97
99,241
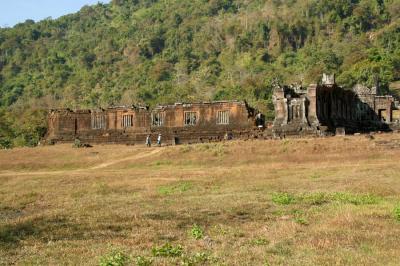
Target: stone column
389,113
286,111
312,107
303,110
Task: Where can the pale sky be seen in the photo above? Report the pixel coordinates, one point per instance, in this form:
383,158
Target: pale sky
16,11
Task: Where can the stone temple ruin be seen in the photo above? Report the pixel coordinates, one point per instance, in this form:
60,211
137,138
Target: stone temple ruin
178,123
326,108
319,109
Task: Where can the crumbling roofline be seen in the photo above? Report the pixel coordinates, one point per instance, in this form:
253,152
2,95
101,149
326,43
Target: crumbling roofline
156,108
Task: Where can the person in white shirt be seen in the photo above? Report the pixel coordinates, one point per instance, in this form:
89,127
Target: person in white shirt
148,141
159,140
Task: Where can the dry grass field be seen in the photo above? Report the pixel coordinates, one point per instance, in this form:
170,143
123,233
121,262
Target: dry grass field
327,201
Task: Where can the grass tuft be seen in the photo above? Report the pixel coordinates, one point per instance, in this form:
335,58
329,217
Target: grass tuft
143,261
396,212
197,232
167,250
261,241
199,258
176,188
356,199
283,198
115,257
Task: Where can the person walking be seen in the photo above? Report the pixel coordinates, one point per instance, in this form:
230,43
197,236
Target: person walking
159,140
148,141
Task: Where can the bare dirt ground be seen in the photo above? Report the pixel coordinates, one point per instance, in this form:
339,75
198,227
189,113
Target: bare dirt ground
276,202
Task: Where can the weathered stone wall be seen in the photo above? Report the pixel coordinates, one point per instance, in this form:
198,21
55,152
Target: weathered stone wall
326,107
295,111
132,125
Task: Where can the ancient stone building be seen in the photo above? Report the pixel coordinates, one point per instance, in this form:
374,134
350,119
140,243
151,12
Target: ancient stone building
319,109
178,123
325,107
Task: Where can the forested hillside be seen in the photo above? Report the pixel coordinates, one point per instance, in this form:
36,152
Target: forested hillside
149,51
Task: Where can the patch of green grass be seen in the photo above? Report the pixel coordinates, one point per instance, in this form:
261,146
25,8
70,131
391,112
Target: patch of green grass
320,198
176,188
298,217
220,230
199,258
167,250
143,261
261,241
301,220
197,232
356,199
162,163
315,176
278,212
396,212
283,198
115,258
366,248
317,198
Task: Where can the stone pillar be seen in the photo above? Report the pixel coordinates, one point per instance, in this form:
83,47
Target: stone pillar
280,106
312,107
389,113
303,110
285,111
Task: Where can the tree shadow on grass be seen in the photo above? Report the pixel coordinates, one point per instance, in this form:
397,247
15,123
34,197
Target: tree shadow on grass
40,228
59,228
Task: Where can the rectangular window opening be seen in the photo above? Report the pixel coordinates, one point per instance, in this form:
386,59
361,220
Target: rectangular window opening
157,119
190,118
223,118
127,121
98,121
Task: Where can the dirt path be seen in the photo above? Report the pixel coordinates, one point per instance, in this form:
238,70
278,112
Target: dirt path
135,157
96,167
